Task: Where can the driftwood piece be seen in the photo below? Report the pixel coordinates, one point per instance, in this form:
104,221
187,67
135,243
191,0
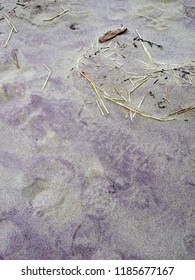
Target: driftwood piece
111,34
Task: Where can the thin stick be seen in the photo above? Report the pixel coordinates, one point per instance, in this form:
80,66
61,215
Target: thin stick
148,66
58,15
181,111
120,64
111,55
105,50
132,73
138,85
140,103
117,99
117,91
143,78
8,38
145,49
138,112
95,89
9,21
100,108
131,82
89,102
47,76
102,91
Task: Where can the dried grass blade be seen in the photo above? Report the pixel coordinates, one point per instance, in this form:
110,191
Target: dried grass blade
47,76
144,47
96,91
8,38
138,112
144,80
56,16
181,111
117,91
9,21
100,108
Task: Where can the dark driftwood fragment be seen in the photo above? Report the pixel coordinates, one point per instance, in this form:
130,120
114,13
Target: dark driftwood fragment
111,34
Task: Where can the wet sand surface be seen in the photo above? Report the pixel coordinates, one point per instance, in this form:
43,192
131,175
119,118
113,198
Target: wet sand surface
97,140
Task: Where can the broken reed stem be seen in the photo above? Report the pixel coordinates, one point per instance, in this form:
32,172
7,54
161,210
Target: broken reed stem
8,38
47,76
58,15
138,112
181,111
95,89
144,47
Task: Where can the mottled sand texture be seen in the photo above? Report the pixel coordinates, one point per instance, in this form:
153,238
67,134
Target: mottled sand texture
82,177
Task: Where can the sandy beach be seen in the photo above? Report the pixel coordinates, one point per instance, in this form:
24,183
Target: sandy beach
97,139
